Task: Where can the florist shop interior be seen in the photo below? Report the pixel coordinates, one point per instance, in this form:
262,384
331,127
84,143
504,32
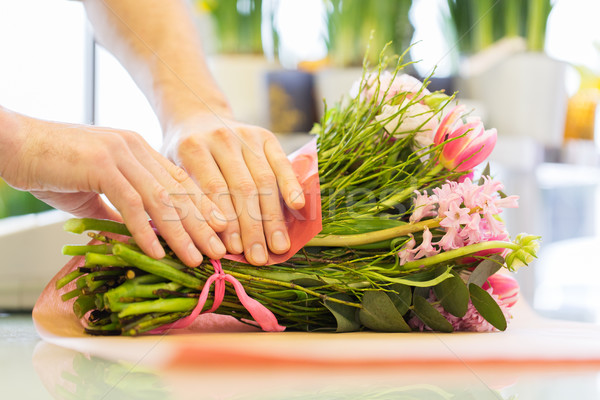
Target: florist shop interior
449,151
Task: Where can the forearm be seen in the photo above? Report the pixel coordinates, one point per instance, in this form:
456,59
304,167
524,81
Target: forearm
156,41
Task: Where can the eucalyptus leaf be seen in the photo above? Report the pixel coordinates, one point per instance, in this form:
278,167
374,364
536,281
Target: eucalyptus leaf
485,304
421,291
453,295
379,313
345,316
401,297
430,316
485,269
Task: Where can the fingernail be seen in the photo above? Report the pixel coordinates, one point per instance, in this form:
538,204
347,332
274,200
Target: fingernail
279,241
194,254
218,216
297,198
259,255
158,250
235,241
216,246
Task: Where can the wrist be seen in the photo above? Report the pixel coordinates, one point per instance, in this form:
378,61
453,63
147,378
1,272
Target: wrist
11,140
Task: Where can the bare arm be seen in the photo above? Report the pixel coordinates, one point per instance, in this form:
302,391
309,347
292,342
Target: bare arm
241,168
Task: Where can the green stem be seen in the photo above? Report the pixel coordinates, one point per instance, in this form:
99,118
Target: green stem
152,323
404,194
76,250
156,267
68,278
460,252
371,237
79,225
162,305
323,297
92,259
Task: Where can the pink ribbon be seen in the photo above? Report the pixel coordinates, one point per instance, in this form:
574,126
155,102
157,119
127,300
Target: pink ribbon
261,314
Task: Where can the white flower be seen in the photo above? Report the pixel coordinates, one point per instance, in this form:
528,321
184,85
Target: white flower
416,117
400,84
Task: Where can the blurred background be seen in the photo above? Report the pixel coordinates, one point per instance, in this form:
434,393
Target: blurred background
529,68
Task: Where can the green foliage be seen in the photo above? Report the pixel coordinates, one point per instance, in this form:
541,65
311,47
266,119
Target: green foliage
15,202
477,24
485,304
379,313
453,295
355,25
237,23
430,316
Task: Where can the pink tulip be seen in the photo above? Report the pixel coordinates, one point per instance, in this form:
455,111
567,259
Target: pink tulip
471,145
505,287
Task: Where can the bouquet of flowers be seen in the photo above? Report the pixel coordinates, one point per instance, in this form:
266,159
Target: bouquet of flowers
411,236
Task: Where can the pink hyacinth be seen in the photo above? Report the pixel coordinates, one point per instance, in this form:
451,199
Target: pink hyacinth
469,215
471,145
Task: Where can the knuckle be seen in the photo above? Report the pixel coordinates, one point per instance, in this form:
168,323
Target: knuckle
266,180
132,200
179,174
246,188
226,137
216,186
272,216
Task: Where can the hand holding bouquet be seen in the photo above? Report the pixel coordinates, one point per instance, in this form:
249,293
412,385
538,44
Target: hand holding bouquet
411,236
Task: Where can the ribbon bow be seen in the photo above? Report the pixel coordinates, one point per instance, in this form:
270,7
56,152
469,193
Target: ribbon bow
262,315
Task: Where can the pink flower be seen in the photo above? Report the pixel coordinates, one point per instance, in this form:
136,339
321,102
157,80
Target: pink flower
408,253
471,145
424,207
451,240
455,216
472,321
426,249
505,287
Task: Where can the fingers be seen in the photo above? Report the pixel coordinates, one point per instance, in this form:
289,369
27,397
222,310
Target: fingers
181,223
268,197
245,198
129,203
291,190
208,210
202,166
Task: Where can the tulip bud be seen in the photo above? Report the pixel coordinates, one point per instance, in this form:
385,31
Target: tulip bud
505,287
465,145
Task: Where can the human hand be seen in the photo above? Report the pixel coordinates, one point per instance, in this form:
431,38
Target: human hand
243,169
69,166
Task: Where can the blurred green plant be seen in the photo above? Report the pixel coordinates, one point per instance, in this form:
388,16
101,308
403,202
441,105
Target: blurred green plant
478,24
237,24
351,23
15,202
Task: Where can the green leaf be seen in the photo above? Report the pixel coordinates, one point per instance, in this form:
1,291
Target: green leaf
430,316
485,269
486,306
453,295
401,297
379,313
344,315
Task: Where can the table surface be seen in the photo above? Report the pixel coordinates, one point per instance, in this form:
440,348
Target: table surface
32,369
